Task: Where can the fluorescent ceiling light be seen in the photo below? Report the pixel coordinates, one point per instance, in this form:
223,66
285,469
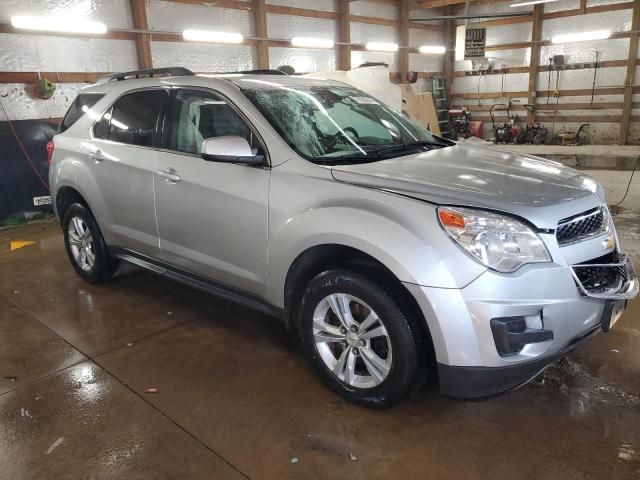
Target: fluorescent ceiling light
531,2
437,49
382,47
58,24
581,36
312,42
213,37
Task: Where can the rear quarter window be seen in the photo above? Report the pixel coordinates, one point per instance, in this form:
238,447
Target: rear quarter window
78,108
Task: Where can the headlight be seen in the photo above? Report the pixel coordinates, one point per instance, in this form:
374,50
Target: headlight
497,241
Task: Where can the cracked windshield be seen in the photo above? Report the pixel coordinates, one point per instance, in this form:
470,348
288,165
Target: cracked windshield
335,124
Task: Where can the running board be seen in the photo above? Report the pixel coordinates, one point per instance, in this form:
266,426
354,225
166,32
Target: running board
139,262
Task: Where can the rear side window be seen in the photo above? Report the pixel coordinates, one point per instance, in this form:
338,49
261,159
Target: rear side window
78,108
133,118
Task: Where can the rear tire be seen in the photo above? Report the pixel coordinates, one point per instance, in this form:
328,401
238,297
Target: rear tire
373,353
85,245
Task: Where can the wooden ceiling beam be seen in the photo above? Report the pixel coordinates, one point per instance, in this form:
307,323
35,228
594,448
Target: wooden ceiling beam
344,35
262,47
55,77
449,61
143,40
534,61
403,51
631,75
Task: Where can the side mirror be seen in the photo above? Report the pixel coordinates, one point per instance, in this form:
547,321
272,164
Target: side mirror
230,149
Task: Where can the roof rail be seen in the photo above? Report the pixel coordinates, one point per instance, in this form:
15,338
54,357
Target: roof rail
265,71
153,72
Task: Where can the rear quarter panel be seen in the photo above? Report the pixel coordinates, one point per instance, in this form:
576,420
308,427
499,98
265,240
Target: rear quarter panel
69,169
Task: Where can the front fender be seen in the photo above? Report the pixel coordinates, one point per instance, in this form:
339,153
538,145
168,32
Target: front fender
401,233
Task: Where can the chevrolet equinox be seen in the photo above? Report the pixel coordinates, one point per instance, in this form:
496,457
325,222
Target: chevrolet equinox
395,254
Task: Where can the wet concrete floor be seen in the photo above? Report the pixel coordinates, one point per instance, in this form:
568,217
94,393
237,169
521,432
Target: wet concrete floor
236,399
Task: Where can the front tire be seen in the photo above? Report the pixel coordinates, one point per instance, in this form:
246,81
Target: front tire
365,345
85,245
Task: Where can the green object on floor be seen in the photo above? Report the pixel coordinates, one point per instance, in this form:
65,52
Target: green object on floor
11,221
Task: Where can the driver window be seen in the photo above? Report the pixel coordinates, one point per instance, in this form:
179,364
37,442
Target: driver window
200,115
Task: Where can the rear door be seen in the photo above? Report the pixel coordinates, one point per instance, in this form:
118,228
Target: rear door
212,216
123,157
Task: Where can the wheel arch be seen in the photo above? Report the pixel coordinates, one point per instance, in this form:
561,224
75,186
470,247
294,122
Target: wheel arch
320,258
67,196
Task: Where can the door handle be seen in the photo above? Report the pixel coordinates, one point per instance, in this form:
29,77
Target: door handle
169,175
96,156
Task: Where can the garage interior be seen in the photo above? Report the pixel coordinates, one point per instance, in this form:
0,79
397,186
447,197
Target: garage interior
146,378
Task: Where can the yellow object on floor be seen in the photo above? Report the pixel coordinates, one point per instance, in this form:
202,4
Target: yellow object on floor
20,243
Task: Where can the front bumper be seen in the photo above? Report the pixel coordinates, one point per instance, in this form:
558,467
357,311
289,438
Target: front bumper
478,382
547,297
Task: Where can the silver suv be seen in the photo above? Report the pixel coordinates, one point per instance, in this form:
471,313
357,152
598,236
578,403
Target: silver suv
397,255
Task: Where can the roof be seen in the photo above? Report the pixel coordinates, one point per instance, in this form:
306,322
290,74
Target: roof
240,80
253,81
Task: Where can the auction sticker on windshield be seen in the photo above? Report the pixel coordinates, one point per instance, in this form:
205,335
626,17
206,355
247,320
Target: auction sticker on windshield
364,100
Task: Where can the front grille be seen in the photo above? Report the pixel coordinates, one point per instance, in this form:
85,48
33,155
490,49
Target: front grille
580,227
609,276
602,279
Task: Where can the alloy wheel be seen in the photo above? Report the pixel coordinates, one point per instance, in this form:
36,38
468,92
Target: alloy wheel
352,340
81,243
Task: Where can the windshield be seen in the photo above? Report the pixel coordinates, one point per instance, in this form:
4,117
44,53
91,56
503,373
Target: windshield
332,124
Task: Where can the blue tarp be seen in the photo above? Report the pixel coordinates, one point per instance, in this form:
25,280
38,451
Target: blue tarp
19,183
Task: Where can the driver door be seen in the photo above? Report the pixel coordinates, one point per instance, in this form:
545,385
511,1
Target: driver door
212,216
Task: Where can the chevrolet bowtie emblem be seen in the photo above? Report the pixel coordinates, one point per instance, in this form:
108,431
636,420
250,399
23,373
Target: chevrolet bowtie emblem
609,243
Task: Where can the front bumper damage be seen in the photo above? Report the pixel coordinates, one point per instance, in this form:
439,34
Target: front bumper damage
615,280
554,307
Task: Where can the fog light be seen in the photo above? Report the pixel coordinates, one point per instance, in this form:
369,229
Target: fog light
511,334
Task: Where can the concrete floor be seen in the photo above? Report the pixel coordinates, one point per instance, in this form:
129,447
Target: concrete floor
236,399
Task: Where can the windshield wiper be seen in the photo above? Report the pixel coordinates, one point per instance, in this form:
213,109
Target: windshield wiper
408,146
349,158
377,153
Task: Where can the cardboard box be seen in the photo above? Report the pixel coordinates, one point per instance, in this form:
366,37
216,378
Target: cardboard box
420,108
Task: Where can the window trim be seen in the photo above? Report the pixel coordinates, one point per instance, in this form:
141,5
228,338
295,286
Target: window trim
156,133
165,127
95,124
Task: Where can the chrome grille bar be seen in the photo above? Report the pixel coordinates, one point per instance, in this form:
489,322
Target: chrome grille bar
614,281
586,225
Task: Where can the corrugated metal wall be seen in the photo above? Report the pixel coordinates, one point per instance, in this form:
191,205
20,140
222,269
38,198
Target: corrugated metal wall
48,53
582,52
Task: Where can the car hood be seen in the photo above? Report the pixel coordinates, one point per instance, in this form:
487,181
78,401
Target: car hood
539,190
